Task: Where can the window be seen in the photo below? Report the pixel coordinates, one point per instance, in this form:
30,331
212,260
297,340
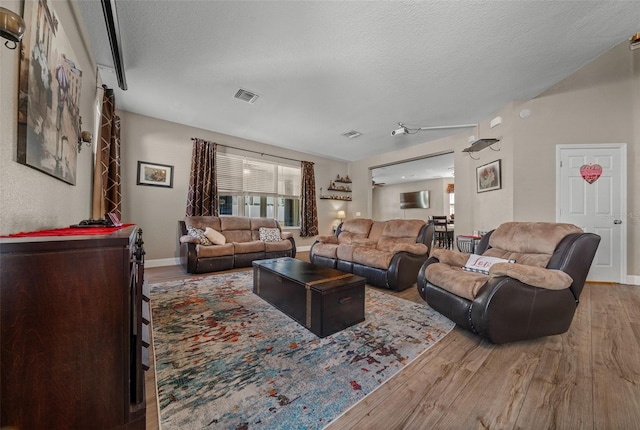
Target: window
452,203
258,188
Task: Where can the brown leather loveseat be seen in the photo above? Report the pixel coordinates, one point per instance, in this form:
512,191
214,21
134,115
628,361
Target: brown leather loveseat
532,293
387,253
211,243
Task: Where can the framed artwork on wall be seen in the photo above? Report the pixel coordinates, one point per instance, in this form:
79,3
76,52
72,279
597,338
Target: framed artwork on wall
155,175
48,95
488,177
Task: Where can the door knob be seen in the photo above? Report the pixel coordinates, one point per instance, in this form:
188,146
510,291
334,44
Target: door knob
617,221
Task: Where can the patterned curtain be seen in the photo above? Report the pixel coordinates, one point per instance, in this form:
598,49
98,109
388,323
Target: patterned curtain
107,182
202,198
309,221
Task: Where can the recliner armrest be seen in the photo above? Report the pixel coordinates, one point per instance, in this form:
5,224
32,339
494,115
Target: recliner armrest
413,248
327,239
452,258
189,239
540,277
286,235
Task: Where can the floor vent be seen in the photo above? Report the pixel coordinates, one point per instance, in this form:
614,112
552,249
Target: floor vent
246,96
352,134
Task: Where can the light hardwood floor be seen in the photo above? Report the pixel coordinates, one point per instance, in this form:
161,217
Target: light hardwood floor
587,378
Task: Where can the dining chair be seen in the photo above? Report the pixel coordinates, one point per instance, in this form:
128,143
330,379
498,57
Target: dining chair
443,236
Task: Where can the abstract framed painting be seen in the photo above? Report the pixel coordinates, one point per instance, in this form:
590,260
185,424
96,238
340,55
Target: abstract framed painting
48,95
155,175
488,177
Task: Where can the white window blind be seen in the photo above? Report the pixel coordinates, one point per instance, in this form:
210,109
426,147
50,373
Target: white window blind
246,176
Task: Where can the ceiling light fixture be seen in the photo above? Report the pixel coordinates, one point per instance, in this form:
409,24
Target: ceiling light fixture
406,130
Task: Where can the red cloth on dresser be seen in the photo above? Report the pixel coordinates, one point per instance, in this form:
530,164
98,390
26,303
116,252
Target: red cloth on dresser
70,231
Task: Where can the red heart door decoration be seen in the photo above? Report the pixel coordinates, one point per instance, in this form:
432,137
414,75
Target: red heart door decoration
591,172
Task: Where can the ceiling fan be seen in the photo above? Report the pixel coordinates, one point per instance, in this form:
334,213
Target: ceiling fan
406,130
375,184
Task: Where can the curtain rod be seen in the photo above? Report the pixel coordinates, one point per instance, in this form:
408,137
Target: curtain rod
255,152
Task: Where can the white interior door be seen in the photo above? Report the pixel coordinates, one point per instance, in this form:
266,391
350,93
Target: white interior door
592,195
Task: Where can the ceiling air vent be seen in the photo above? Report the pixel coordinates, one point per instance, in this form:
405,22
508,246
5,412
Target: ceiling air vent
352,134
246,96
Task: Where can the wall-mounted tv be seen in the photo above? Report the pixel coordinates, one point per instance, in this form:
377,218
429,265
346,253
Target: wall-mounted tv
415,199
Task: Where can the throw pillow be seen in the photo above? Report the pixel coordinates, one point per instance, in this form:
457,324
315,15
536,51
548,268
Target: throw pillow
269,234
198,234
215,236
482,264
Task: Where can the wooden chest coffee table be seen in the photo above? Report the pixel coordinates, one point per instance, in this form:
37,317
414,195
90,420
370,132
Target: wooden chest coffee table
323,300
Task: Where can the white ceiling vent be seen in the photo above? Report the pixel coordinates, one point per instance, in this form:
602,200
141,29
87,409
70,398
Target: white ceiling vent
352,134
246,96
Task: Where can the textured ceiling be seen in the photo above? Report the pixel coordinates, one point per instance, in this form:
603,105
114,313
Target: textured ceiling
323,68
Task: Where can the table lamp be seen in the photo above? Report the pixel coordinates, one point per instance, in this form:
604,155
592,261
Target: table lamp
341,215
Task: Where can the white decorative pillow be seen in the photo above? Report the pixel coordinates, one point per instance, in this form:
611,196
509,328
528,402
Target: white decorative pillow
215,236
198,234
482,264
269,234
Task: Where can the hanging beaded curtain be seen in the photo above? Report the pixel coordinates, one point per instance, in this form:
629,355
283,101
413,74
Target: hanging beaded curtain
107,196
309,221
202,197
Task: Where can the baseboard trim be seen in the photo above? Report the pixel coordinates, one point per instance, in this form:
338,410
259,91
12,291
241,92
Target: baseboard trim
162,262
303,248
633,280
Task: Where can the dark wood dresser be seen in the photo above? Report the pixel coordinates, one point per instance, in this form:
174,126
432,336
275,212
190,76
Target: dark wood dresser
74,331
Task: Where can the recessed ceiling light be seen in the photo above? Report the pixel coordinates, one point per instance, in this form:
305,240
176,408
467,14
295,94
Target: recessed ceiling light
352,134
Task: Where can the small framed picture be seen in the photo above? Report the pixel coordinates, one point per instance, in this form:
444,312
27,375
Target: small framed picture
488,177
155,175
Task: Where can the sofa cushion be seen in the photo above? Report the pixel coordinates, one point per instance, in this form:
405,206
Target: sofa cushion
235,223
387,244
345,252
455,280
327,250
372,257
214,250
357,226
281,245
198,234
215,236
403,228
269,234
238,236
529,243
248,247
376,230
258,223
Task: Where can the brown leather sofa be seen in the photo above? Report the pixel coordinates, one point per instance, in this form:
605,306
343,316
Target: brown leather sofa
534,296
387,253
242,242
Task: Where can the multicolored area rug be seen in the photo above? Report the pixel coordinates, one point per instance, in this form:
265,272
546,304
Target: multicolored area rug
225,358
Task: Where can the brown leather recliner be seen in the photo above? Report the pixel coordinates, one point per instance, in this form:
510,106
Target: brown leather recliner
534,297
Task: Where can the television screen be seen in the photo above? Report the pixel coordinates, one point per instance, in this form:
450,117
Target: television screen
415,199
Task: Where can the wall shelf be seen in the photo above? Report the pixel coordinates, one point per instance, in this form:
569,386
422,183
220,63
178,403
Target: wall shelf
481,144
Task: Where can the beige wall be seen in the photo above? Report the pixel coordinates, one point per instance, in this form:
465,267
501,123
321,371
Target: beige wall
157,210
29,199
